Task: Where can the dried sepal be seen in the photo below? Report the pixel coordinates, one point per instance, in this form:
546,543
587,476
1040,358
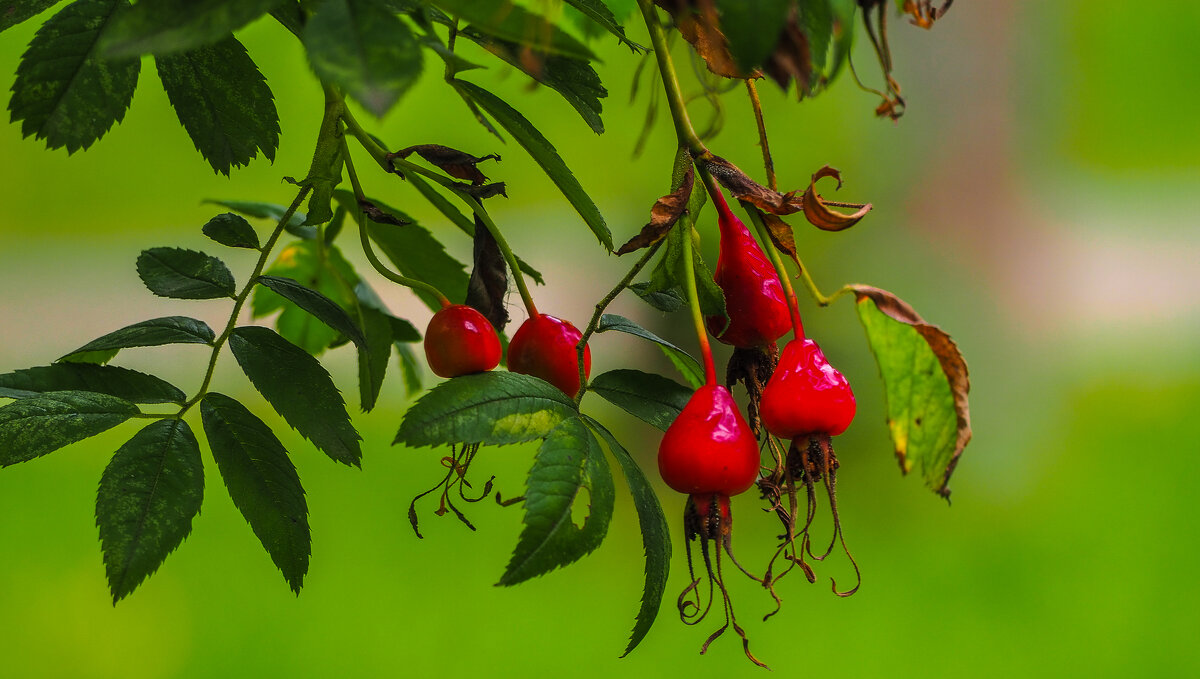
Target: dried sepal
455,163
663,215
821,215
924,13
749,191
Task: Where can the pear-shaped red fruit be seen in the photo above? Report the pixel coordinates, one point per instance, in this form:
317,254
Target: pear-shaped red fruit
544,346
460,341
806,395
709,448
754,300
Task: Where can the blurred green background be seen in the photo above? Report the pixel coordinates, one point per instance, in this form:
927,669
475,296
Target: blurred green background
1038,201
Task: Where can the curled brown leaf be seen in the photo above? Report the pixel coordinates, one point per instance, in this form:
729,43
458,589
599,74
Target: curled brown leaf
488,285
781,234
663,215
821,215
949,357
455,163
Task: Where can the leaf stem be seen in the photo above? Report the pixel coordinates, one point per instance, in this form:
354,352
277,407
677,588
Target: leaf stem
689,272
600,307
768,164
675,99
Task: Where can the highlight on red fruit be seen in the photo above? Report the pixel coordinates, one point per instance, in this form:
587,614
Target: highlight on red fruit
806,395
544,346
754,298
709,447
460,341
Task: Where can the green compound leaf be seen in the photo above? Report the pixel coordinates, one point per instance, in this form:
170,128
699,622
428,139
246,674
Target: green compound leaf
751,28
64,92
689,366
13,12
321,307
271,211
569,462
495,408
364,48
413,250
599,12
223,102
262,482
544,153
148,495
656,538
152,333
166,26
41,424
653,399
299,389
231,230
123,383
184,274
514,23
317,267
926,383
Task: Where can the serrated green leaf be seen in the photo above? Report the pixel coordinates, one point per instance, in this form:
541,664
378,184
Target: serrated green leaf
669,273
410,367
925,383
123,383
656,538
816,20
299,389
599,13
574,79
653,399
751,28
687,365
365,49
505,20
413,250
13,12
152,333
184,274
231,230
64,92
544,153
41,424
373,358
271,211
669,300
321,307
495,408
262,482
166,26
568,462
223,102
321,268
148,495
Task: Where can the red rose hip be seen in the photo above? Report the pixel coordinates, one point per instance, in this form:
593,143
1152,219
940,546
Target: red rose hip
806,395
460,341
709,449
544,346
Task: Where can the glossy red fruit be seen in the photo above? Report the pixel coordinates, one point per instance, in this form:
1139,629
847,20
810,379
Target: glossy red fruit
709,448
460,341
754,299
544,346
806,395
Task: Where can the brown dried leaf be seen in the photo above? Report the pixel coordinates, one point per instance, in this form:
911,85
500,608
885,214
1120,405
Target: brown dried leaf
488,286
666,211
819,213
781,234
949,357
792,57
699,23
747,190
379,215
455,163
484,191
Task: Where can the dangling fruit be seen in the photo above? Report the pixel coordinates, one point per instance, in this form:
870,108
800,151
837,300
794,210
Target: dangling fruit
709,449
544,346
460,341
806,395
754,299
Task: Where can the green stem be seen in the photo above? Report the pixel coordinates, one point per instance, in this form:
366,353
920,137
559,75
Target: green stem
365,239
768,164
689,272
600,307
240,300
675,100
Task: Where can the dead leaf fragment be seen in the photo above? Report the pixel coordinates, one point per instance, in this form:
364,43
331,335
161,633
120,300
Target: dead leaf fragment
488,285
663,215
455,163
379,215
698,22
821,215
924,13
781,234
749,191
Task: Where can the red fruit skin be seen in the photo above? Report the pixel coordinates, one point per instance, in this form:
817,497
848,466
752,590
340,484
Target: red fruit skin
544,346
806,395
460,341
709,448
754,299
